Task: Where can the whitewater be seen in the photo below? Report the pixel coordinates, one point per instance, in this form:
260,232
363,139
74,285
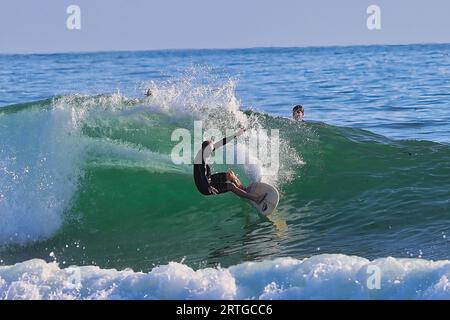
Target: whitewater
319,277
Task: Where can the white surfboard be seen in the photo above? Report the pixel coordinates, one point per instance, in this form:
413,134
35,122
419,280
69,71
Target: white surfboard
270,203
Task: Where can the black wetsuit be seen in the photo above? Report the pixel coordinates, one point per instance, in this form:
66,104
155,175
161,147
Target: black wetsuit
204,179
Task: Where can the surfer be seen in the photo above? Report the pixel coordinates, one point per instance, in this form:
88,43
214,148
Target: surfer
298,113
211,184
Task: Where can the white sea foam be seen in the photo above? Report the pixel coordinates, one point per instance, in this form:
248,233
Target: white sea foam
332,276
214,102
41,152
39,167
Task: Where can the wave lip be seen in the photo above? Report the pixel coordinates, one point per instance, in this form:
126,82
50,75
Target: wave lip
328,276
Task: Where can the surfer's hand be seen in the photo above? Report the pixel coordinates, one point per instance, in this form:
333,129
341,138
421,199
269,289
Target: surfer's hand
213,190
240,132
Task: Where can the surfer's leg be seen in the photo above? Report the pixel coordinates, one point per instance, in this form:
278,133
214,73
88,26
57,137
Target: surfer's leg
244,194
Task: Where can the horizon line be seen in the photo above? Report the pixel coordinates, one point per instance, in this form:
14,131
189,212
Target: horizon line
223,49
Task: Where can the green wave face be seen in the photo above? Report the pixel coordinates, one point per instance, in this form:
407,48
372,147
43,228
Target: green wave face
109,194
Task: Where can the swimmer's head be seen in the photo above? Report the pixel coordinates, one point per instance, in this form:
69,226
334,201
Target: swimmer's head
207,148
298,112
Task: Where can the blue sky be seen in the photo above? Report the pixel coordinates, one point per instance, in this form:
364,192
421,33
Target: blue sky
40,26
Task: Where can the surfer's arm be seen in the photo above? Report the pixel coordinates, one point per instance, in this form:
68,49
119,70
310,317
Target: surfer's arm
224,141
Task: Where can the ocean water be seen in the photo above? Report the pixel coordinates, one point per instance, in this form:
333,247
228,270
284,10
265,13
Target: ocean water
88,189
